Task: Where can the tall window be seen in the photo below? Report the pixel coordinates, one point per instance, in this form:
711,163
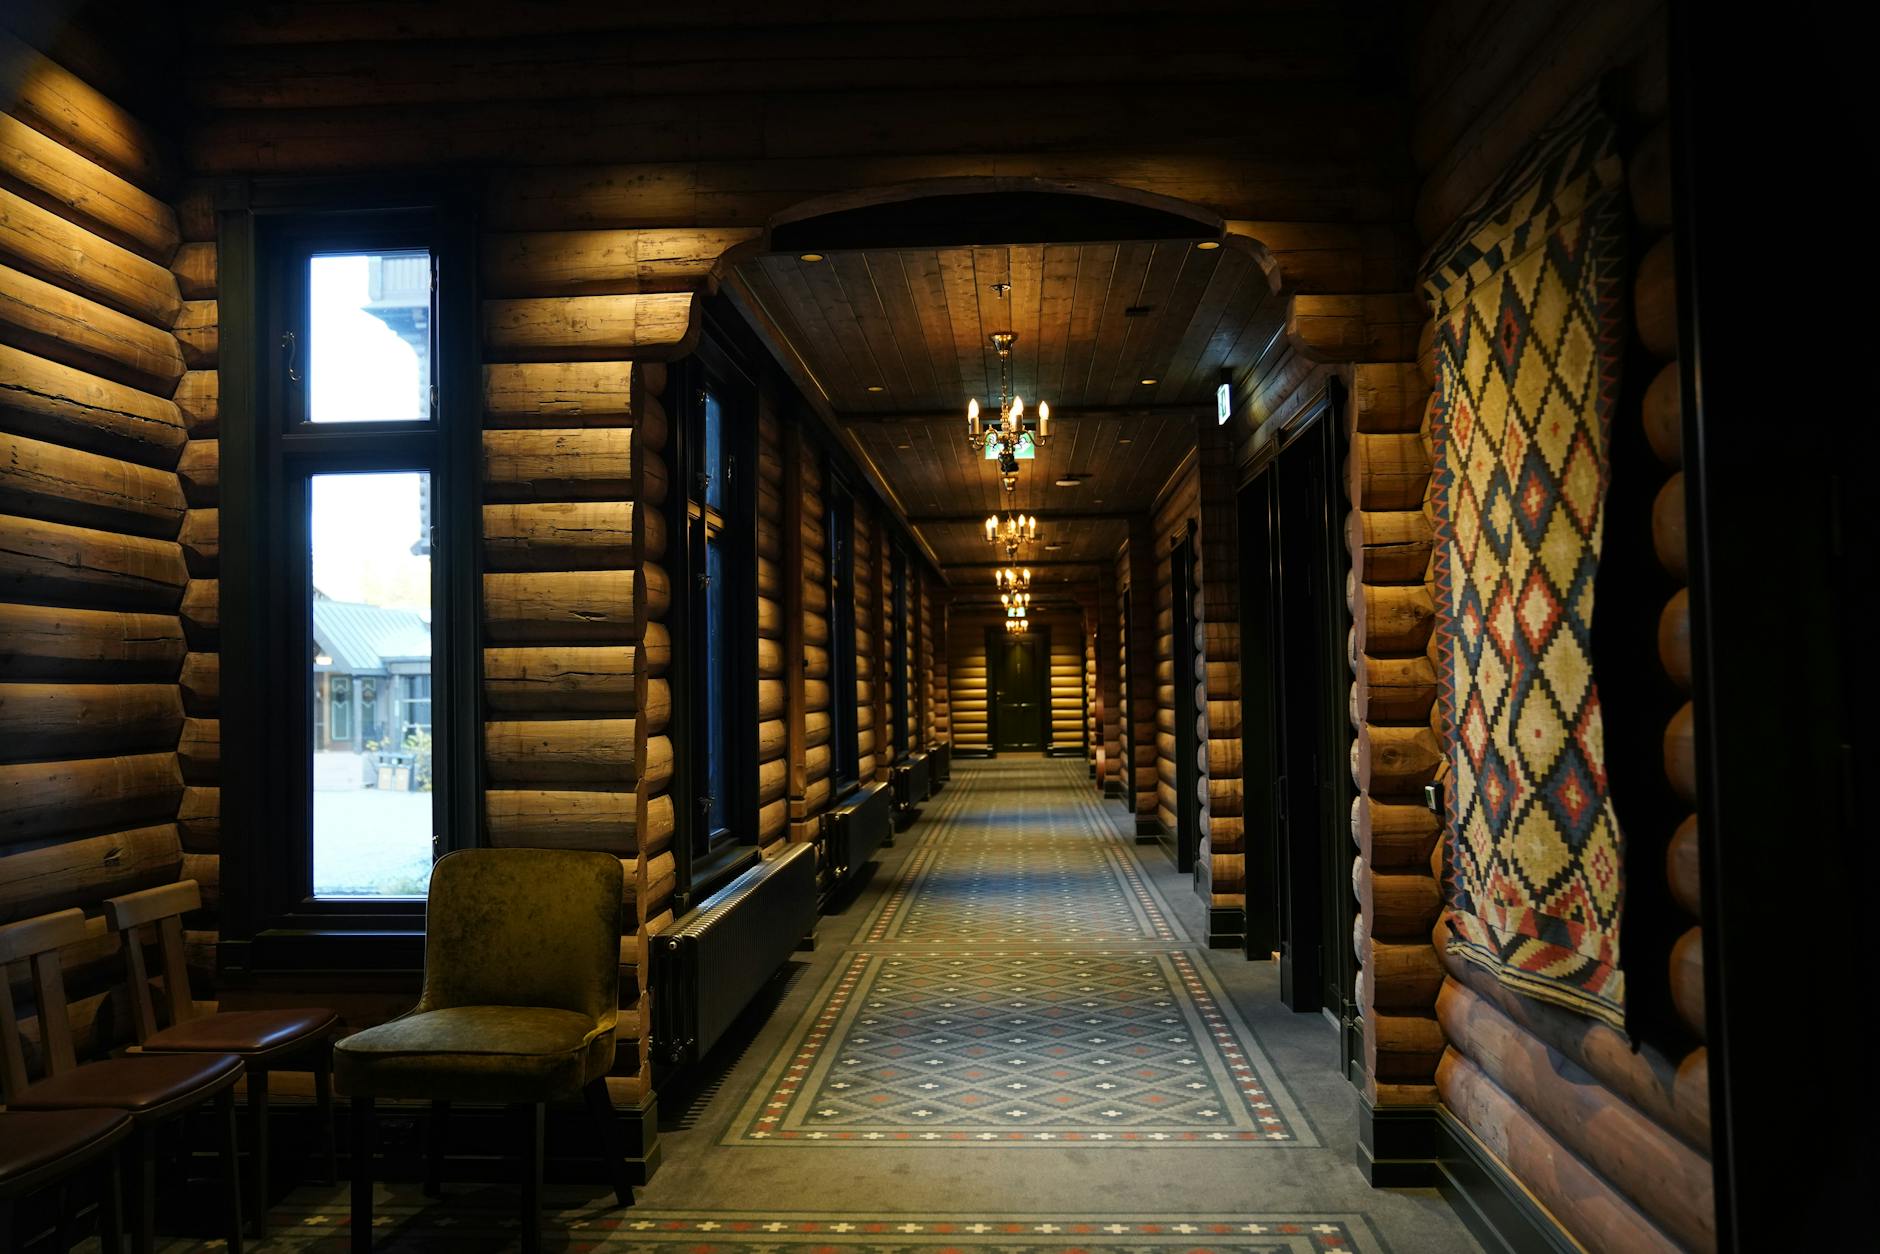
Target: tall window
350,572
839,517
711,632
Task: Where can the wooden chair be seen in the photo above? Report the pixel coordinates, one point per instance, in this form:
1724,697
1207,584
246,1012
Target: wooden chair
45,1149
262,1039
521,995
155,1090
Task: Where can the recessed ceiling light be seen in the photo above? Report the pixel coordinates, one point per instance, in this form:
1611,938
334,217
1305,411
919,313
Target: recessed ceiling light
1067,482
1148,383
904,446
876,387
1208,245
809,257
1052,548
1125,439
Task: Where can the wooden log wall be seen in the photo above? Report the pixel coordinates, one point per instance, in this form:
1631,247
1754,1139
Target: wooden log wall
1219,562
1397,746
1611,1136
108,734
1093,701
868,671
1178,513
967,683
882,573
930,676
1109,690
1066,732
941,733
577,744
1137,581
779,687
811,728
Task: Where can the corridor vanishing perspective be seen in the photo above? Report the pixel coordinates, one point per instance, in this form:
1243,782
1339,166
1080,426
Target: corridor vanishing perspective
1010,1038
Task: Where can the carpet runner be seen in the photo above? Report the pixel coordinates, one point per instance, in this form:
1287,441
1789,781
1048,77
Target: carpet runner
1050,998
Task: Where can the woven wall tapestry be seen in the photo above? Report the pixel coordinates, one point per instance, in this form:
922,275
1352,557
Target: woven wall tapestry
1530,324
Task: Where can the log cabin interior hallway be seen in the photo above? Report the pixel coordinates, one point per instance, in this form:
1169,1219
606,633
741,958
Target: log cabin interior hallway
1010,1037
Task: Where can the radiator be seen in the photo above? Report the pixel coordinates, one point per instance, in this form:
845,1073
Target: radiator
853,831
939,766
711,962
912,779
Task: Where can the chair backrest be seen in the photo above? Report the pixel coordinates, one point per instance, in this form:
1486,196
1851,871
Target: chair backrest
37,942
163,908
525,927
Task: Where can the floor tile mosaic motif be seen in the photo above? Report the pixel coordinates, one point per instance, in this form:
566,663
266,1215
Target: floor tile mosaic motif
1021,1046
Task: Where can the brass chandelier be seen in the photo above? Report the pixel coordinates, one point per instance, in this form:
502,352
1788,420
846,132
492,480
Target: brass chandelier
1015,626
1015,531
1011,435
1012,578
1016,604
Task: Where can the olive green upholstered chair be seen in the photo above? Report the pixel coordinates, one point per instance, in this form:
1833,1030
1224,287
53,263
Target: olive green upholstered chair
521,993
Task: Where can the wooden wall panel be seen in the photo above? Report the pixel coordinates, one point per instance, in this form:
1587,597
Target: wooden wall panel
806,538
108,691
967,677
870,675
575,537
1065,728
773,814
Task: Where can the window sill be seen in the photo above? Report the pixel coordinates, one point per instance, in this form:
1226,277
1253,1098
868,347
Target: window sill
720,869
282,950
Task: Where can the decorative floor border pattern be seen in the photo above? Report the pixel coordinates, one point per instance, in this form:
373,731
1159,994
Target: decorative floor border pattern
469,1224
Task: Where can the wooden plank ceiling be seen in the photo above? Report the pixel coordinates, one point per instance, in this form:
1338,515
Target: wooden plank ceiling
896,340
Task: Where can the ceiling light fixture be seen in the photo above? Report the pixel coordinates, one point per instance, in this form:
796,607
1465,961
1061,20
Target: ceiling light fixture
1011,436
1013,578
809,257
1068,481
1148,383
876,387
1015,532
1208,245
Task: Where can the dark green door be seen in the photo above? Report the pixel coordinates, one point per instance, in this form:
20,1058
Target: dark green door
1018,721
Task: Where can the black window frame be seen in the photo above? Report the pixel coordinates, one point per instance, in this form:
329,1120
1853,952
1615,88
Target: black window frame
266,229
719,367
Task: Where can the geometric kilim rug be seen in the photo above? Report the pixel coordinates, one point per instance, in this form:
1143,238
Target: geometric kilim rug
1529,330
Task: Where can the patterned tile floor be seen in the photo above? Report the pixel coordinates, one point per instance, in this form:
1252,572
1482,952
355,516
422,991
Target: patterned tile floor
1011,1040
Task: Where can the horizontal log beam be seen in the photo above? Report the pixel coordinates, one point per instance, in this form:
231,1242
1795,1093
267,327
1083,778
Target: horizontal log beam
85,191
49,561
48,642
42,242
67,406
45,319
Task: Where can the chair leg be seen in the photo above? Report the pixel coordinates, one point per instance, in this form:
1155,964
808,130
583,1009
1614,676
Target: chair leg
532,1147
258,1146
363,1139
436,1128
323,1099
601,1110
110,1207
226,1119
141,1157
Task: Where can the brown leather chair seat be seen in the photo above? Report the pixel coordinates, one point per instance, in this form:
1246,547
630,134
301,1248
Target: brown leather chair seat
39,1142
476,1053
248,1032
145,1085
